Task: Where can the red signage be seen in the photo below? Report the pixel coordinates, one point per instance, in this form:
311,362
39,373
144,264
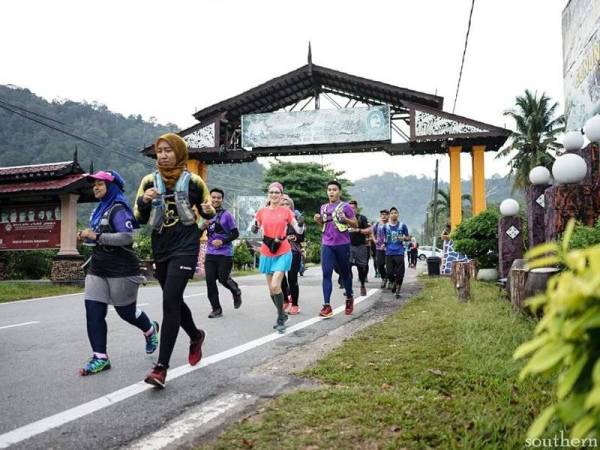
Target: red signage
30,227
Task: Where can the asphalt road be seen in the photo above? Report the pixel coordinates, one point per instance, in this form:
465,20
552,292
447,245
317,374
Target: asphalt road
44,403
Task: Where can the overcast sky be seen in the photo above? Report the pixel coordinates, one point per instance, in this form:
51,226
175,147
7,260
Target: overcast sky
169,59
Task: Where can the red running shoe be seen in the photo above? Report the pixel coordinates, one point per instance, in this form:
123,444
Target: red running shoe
326,311
196,349
157,376
349,306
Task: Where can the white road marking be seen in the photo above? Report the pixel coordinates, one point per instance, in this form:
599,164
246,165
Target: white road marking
27,431
18,302
19,324
190,422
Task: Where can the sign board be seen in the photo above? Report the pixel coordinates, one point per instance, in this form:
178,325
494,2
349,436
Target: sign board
30,227
245,209
321,126
581,61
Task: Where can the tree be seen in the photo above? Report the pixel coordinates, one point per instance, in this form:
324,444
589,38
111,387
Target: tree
443,205
306,184
535,137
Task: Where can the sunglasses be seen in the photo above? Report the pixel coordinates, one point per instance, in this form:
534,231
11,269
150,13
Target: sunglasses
274,192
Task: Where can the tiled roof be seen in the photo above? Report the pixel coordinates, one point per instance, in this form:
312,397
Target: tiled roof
37,186
35,169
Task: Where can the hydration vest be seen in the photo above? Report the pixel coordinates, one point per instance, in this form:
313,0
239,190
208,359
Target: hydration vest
182,203
341,227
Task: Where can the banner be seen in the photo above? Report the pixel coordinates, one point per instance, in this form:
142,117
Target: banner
321,126
30,227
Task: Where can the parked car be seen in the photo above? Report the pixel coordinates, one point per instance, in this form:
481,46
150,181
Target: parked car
425,251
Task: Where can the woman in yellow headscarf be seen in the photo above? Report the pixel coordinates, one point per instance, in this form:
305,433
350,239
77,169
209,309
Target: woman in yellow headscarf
164,200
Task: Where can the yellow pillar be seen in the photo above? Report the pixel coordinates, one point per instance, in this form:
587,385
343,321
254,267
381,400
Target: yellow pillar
455,192
478,180
198,167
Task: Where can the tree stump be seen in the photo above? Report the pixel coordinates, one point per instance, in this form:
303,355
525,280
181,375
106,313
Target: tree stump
518,278
461,279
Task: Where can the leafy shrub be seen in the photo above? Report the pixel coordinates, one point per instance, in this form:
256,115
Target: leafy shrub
568,337
29,265
313,252
142,244
242,256
477,237
584,236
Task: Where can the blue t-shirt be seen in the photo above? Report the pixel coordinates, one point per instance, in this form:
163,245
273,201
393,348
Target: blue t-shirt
394,238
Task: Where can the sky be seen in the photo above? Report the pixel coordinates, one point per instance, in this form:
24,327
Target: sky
169,59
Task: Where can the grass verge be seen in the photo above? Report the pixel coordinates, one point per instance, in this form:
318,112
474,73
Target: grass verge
437,374
21,290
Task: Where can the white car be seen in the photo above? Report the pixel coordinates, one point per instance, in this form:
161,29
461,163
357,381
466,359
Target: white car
425,251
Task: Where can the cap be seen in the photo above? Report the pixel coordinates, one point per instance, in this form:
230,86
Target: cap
102,176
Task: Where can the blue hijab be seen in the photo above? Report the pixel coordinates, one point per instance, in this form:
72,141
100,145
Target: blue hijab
114,194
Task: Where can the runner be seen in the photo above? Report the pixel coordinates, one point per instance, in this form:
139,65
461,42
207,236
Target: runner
395,234
113,270
413,252
164,201
289,284
222,231
335,217
275,251
359,249
378,231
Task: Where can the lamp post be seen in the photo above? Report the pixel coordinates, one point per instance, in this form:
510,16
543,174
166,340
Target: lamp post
510,236
540,178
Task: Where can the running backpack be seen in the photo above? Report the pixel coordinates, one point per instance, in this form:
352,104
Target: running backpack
182,203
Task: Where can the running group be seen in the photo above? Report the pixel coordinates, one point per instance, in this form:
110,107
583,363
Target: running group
169,200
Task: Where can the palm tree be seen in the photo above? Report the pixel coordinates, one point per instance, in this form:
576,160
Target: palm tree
443,205
535,136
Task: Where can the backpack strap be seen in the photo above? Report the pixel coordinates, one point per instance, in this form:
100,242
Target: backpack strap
183,182
159,184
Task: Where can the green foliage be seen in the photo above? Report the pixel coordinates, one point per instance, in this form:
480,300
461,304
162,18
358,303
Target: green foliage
29,265
313,252
142,243
567,339
584,236
477,237
242,256
535,137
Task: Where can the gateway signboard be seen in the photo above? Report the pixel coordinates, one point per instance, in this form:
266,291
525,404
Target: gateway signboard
30,227
321,126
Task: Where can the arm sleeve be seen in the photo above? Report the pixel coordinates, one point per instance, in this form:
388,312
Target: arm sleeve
121,223
232,235
203,197
141,210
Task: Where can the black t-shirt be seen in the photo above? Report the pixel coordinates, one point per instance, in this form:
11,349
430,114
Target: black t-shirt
175,238
356,237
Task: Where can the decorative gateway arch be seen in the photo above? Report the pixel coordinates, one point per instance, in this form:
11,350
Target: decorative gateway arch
283,117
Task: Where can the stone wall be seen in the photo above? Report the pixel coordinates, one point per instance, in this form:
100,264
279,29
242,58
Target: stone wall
67,269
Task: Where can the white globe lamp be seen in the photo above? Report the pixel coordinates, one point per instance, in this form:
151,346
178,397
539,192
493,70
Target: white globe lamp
572,141
569,168
509,207
540,175
592,128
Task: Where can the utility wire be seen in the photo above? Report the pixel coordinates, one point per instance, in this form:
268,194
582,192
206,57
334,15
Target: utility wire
2,101
463,56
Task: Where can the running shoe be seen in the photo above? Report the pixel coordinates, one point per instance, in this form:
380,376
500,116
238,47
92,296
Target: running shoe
349,306
294,310
237,299
152,340
285,318
280,326
95,365
157,376
215,313
393,288
383,284
196,349
397,295
363,291
287,304
326,311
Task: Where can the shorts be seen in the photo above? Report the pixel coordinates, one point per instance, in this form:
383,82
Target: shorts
121,291
359,255
270,264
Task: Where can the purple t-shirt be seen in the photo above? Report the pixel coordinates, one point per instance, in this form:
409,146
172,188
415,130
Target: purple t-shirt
227,222
379,231
331,235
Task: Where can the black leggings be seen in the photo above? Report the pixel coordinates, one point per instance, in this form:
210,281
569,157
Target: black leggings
289,284
380,261
395,269
95,313
218,267
173,276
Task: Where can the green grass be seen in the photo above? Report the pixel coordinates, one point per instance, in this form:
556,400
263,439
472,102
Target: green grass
437,374
17,290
